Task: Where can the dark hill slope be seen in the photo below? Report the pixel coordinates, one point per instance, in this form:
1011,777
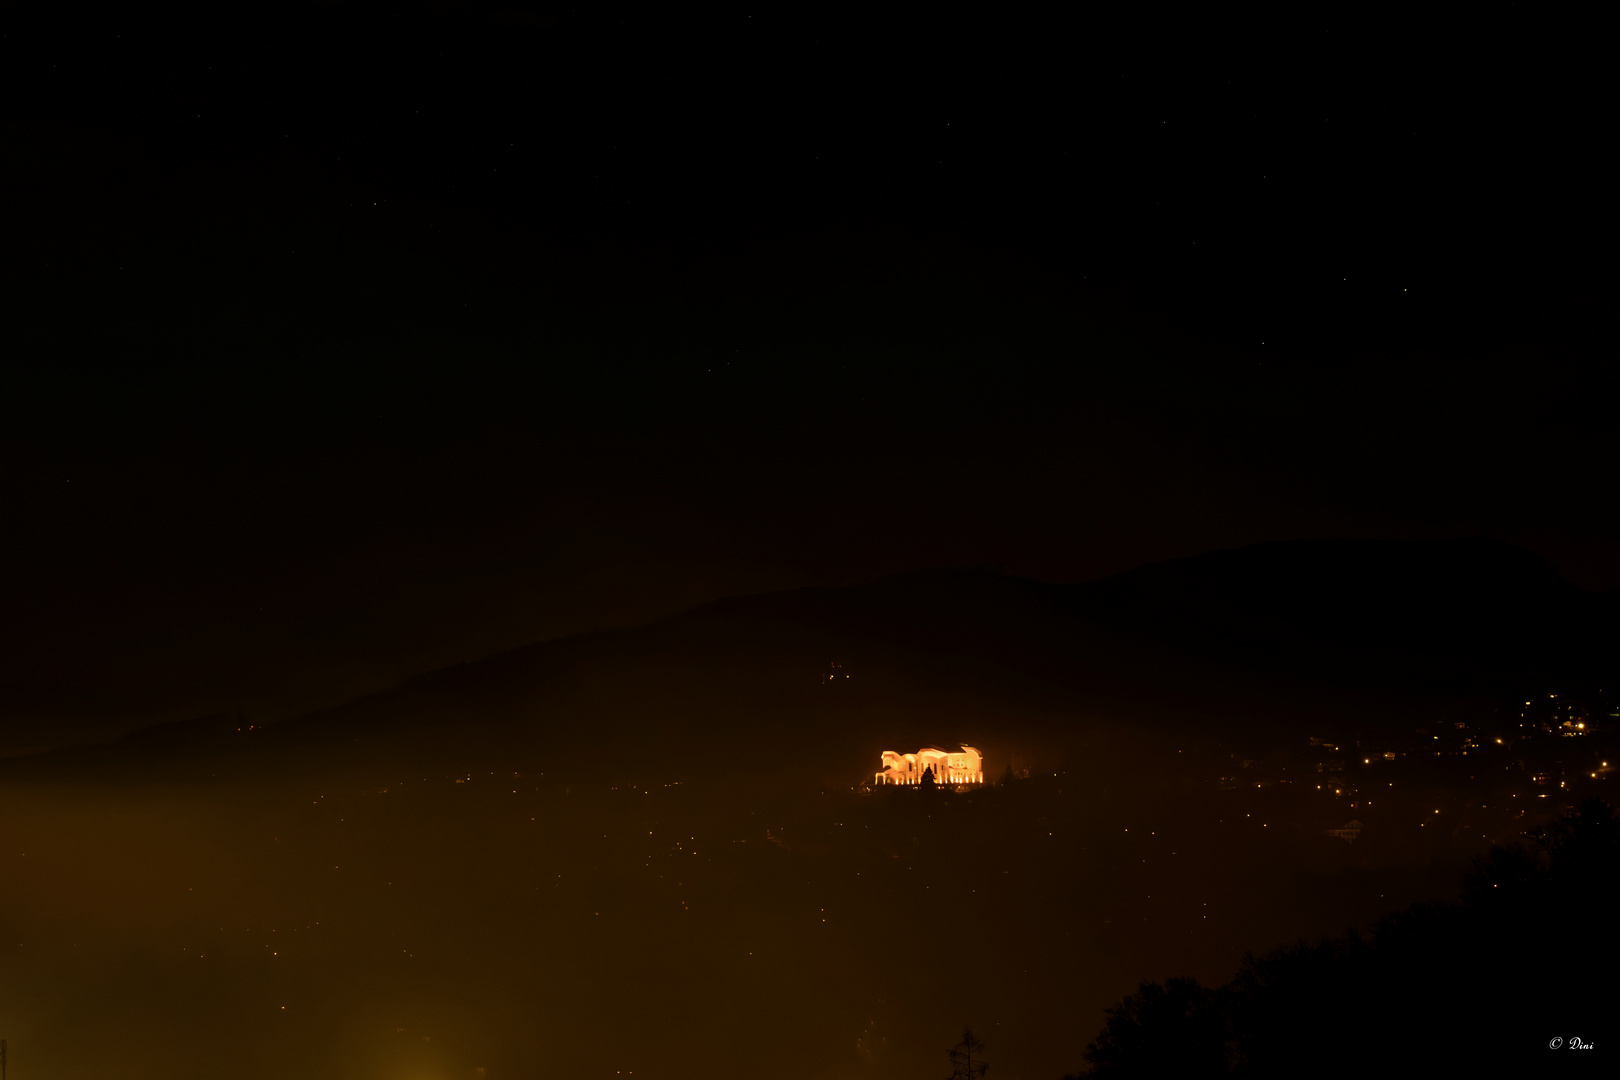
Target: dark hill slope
1326,632
1448,617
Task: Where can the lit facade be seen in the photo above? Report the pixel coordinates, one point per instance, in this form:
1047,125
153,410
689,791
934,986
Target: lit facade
963,767
1349,833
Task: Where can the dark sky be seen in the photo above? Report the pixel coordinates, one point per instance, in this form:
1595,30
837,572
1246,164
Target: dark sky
348,340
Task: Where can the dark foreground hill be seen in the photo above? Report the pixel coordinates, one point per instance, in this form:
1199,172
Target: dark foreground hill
1483,987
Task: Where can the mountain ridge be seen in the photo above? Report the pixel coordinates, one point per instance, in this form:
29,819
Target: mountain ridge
1244,631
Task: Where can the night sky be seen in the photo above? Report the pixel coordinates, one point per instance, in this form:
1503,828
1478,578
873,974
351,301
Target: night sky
347,342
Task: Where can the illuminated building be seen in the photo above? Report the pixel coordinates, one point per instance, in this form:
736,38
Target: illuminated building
964,767
1349,833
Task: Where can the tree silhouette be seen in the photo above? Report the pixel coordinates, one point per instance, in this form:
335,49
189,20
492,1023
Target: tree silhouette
967,1058
1172,1030
1585,844
928,781
1474,988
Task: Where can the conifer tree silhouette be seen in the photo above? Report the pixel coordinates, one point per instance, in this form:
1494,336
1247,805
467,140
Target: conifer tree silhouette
967,1058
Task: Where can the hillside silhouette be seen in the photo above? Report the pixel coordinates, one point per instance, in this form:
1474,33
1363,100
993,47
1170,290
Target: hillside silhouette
1456,616
1251,637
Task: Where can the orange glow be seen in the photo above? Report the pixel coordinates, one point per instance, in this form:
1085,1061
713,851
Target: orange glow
965,767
